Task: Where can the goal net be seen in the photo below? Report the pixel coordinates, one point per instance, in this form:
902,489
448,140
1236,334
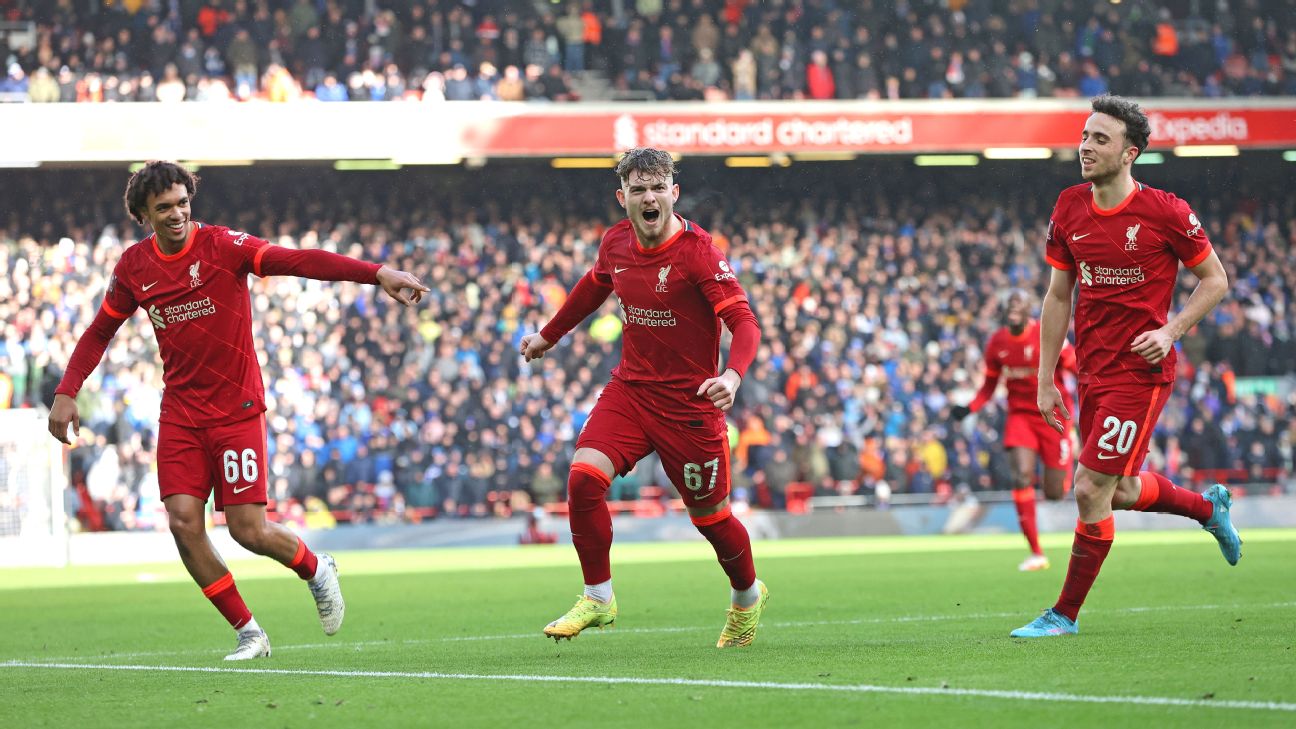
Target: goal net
33,520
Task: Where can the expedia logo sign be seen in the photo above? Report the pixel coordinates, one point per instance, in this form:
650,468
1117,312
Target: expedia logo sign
1108,276
1222,127
177,313
725,271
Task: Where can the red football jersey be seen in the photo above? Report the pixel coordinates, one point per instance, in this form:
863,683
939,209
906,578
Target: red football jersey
670,297
201,310
1016,360
1126,259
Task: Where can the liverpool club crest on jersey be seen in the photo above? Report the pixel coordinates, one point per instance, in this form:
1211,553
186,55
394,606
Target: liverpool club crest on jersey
1131,237
194,281
661,278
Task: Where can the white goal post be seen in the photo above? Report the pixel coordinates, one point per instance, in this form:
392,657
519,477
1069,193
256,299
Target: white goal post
33,481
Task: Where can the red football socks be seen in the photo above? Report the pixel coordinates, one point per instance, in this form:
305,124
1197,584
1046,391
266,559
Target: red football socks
732,546
304,562
1090,548
1024,500
591,522
1159,494
225,596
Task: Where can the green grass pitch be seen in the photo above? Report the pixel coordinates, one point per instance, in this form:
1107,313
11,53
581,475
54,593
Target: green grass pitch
880,632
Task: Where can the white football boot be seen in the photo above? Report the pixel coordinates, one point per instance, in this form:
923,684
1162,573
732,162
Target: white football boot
252,644
328,594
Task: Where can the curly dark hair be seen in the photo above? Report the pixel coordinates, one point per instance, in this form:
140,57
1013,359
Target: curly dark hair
1137,129
648,161
154,178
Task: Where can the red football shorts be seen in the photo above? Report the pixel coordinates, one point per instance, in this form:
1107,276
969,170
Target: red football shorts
1116,424
694,452
228,458
1032,431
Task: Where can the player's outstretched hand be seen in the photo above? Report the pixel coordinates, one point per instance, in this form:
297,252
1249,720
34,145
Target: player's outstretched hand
1051,406
395,282
722,390
958,412
534,346
1152,346
64,412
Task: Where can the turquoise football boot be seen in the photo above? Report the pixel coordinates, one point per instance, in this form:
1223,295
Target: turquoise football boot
1221,525
1049,623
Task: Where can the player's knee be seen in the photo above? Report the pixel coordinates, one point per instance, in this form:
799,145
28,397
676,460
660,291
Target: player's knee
186,527
248,536
586,488
1088,493
1023,480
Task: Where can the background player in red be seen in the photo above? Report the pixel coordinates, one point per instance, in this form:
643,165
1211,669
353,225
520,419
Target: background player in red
666,396
191,279
1124,241
1013,354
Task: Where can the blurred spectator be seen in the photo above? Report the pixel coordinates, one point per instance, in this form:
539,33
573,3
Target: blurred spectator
923,50
171,88
13,87
819,77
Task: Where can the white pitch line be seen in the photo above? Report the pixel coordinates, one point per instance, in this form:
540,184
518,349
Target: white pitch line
699,683
693,629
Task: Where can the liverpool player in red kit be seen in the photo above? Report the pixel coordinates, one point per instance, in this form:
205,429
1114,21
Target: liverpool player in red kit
191,279
675,289
1124,241
1013,355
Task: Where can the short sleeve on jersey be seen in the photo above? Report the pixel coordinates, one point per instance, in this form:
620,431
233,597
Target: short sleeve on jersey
715,277
1185,233
119,302
1056,251
602,271
242,252
993,365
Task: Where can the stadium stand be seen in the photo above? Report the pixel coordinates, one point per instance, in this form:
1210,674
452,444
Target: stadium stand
875,299
339,50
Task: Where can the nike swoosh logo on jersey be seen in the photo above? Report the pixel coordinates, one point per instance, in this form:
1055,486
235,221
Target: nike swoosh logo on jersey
1078,237
619,270
146,288
245,488
1106,457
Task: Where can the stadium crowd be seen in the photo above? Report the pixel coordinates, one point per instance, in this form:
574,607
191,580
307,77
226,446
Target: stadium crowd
339,50
875,303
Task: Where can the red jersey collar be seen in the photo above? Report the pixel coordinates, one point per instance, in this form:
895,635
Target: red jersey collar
1119,206
193,233
684,226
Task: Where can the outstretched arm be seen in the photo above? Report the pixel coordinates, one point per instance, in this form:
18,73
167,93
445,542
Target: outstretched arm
272,260
85,357
585,298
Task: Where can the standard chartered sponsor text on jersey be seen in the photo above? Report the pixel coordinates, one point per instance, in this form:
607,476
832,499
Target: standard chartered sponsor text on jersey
648,317
1109,276
189,310
766,132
